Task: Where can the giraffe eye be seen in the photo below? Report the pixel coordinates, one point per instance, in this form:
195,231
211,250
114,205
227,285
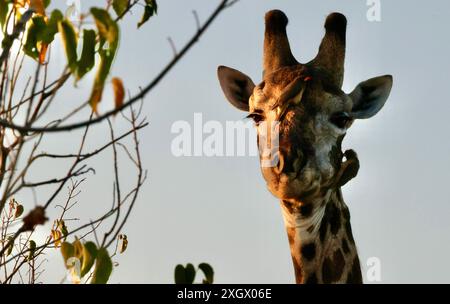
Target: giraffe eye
340,120
256,116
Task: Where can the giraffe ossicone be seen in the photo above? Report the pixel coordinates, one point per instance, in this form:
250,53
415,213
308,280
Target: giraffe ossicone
313,115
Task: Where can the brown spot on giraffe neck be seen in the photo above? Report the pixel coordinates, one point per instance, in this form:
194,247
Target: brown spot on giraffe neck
309,251
345,247
355,276
348,229
334,219
333,267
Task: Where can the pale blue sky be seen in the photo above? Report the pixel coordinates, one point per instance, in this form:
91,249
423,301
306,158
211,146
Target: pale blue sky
218,210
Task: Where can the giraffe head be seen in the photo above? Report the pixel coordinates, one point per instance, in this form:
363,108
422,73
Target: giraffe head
306,107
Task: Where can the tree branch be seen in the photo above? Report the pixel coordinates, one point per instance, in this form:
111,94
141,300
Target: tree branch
222,6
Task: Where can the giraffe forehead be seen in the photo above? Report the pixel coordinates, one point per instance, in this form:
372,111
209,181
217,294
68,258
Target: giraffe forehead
320,95
328,102
315,101
266,94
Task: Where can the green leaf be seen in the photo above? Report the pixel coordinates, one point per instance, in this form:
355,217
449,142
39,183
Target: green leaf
180,274
103,267
208,272
107,27
190,273
67,251
89,255
51,29
120,6
32,247
87,60
150,9
4,9
34,35
109,32
41,34
184,275
69,39
153,5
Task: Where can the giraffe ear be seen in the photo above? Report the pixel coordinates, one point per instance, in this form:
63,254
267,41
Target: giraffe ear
370,96
236,86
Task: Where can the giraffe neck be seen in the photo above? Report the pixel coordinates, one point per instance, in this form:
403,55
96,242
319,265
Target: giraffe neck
321,241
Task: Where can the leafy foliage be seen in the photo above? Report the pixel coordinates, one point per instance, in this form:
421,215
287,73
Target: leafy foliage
70,43
40,34
103,267
15,207
120,6
208,271
103,41
84,49
4,4
150,9
87,255
87,59
109,40
186,275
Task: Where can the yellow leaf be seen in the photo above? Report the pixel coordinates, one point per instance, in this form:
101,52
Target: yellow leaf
89,256
96,96
56,235
78,249
123,243
119,92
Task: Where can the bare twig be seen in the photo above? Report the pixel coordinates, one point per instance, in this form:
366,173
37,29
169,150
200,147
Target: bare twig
172,45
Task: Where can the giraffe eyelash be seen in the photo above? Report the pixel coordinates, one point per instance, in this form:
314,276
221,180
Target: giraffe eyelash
256,116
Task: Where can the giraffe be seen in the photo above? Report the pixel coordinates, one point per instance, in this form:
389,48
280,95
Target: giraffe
313,114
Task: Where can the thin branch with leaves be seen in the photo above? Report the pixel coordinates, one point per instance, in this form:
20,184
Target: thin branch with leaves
27,98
